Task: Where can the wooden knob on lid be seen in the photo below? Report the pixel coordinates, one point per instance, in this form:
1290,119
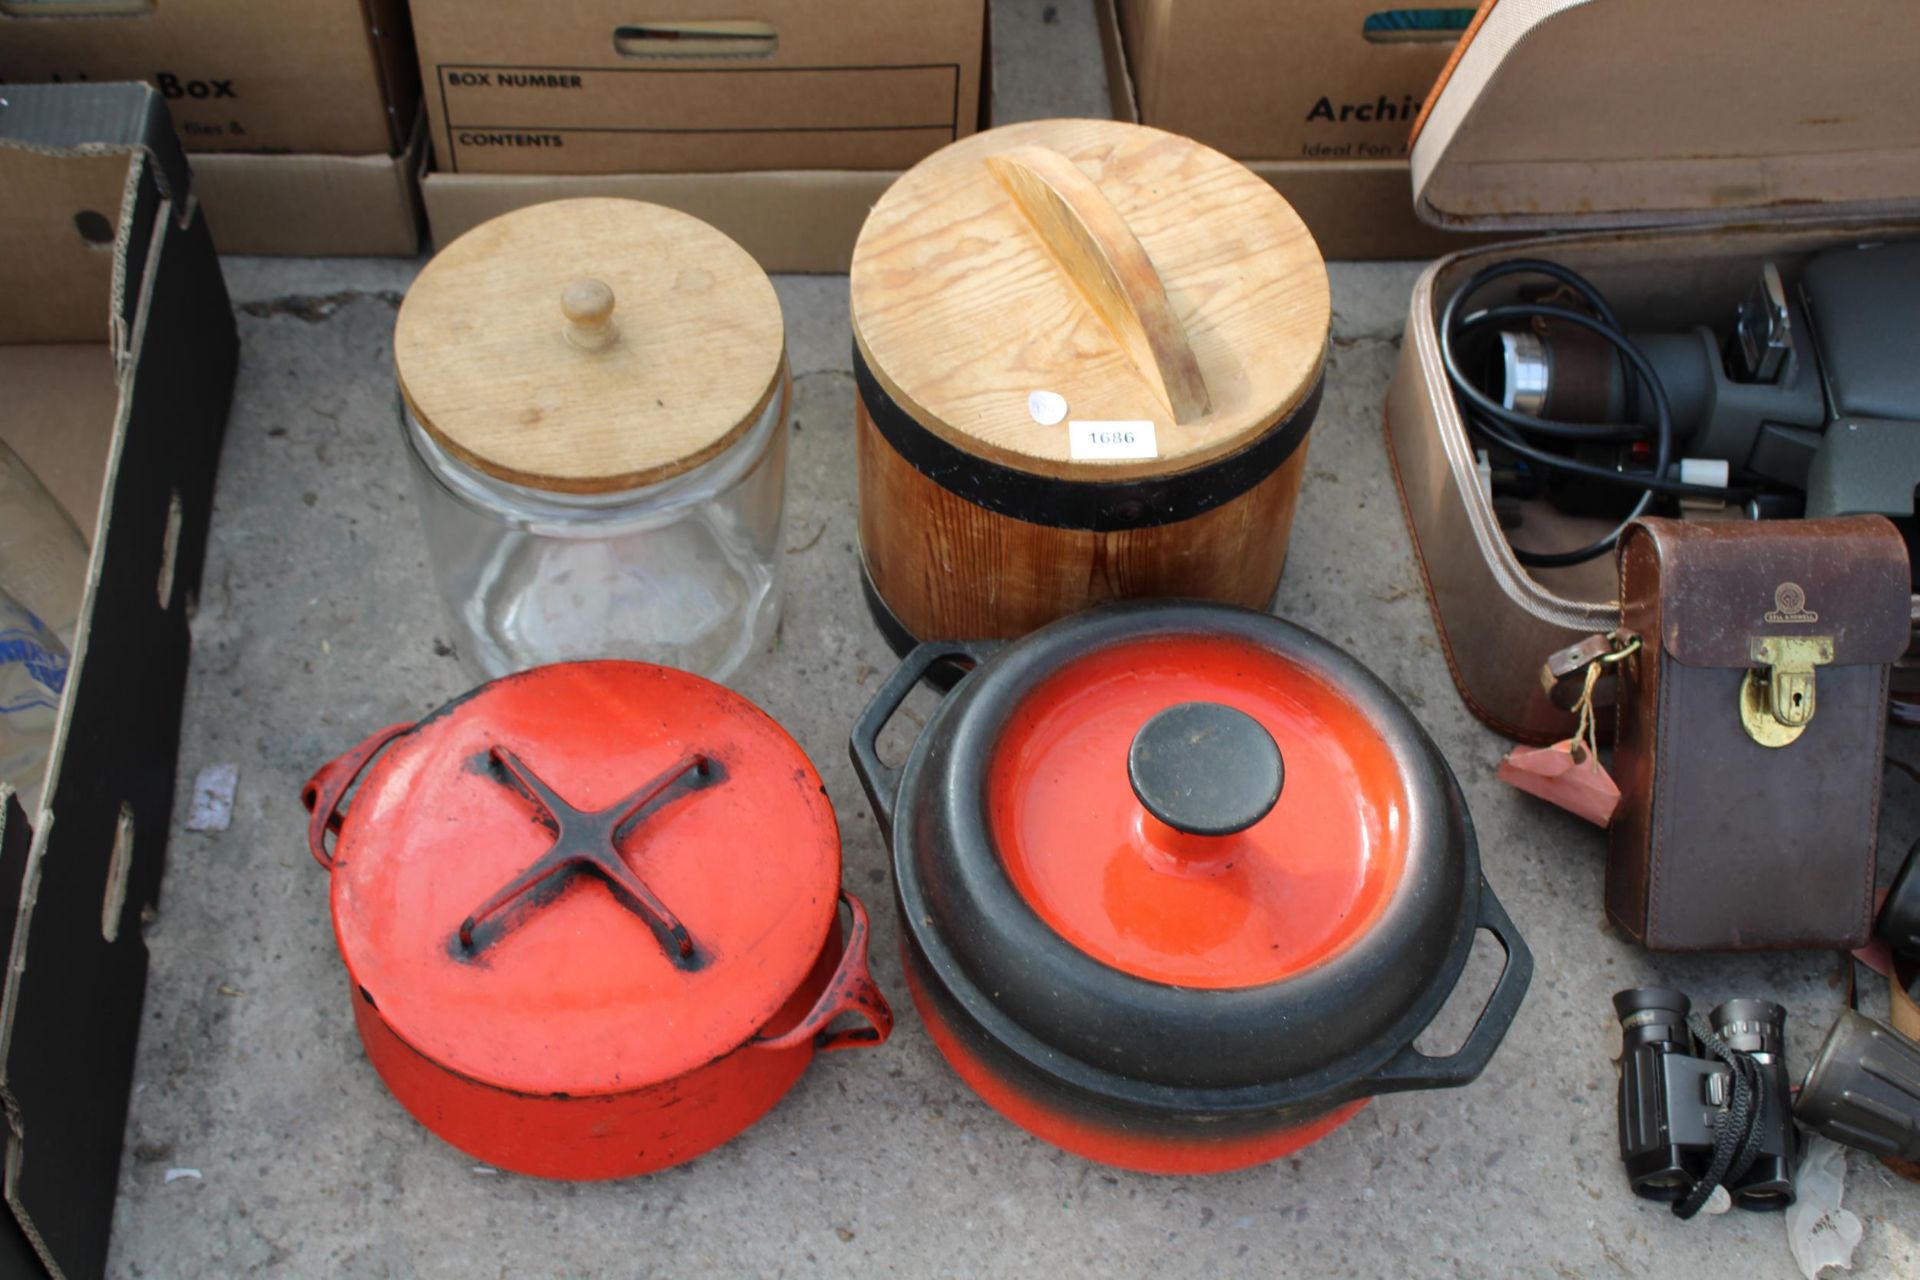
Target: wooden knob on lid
588,306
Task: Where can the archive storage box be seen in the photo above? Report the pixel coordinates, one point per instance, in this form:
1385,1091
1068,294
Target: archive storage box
1318,97
303,115
692,86
780,128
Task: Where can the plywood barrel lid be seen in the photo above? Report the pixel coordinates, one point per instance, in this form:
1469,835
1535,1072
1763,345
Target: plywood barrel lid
589,346
961,309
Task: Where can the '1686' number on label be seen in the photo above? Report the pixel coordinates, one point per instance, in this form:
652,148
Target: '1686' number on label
1111,440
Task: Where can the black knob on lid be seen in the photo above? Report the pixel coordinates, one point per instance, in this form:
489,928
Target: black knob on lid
1205,769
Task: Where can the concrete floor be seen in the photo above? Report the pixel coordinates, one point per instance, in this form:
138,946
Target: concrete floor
318,623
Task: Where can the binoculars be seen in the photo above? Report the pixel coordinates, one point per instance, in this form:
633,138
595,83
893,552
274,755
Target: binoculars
1677,1094
1675,1100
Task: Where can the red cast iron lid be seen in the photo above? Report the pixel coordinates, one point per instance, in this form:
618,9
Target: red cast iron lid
1189,844
1142,806
564,882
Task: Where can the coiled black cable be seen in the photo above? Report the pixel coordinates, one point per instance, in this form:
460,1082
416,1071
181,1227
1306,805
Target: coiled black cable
1515,432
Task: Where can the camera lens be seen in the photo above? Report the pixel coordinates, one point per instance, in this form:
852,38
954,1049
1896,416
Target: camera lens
1652,1015
1526,371
1751,1026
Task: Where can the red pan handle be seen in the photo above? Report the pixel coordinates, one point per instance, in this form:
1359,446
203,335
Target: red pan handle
850,990
329,786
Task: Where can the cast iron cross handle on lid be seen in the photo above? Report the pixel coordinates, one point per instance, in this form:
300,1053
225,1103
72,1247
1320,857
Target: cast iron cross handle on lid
589,841
1205,769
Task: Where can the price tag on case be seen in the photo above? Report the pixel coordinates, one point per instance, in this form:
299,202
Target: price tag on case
1111,441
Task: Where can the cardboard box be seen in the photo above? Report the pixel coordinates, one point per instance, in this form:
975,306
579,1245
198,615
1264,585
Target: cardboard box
118,356
1290,79
639,86
803,221
304,114
317,205
807,221
1355,208
331,77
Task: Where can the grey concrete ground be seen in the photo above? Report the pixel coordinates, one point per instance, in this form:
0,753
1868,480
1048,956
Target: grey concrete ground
318,623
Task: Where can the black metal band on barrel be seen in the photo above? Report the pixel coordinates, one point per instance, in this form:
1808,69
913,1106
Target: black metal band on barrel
1103,506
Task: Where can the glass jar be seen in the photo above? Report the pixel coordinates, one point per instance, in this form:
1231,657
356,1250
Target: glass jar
685,573
606,479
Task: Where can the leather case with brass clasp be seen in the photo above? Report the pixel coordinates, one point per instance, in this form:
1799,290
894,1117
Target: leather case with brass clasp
1750,730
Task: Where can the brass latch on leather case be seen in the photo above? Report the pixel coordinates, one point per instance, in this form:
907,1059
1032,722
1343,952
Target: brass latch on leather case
1776,700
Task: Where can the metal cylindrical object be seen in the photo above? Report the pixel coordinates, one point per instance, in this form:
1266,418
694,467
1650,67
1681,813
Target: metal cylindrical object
1751,1026
1526,372
1864,1088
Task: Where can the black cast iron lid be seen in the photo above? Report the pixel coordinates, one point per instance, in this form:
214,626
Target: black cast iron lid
1187,845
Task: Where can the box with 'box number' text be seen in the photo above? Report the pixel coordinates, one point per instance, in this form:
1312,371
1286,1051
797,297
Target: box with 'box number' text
594,87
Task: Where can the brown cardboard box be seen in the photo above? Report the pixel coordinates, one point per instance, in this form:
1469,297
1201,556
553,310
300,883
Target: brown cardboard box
1289,79
639,86
314,205
291,76
117,352
804,220
1355,208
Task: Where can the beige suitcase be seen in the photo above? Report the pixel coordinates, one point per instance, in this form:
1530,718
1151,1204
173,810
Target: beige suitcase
1682,145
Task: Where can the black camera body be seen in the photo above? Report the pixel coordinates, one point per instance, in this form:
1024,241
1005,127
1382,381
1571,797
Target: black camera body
1675,1099
1815,393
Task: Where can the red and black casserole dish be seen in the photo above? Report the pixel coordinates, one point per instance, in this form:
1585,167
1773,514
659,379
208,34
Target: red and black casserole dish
573,949
1180,884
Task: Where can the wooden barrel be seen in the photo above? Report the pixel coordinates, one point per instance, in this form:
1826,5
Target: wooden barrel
1088,355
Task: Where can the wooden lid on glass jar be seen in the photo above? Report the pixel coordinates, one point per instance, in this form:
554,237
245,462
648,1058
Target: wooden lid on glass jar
589,346
1135,274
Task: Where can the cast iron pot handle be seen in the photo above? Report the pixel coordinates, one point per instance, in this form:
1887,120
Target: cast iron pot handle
850,990
1411,1069
328,787
882,783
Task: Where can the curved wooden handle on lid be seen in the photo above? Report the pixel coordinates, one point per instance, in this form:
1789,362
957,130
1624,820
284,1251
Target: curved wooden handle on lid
1094,245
